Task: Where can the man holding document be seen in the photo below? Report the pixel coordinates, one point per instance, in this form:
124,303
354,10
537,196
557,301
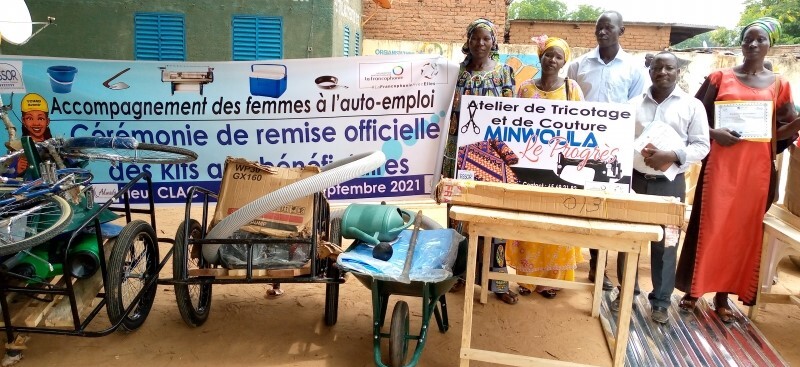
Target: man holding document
671,135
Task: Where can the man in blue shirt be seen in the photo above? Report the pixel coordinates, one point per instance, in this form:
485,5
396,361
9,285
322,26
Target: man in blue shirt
607,74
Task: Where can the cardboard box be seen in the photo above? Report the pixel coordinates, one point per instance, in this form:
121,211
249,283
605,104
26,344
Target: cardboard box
577,203
244,181
792,195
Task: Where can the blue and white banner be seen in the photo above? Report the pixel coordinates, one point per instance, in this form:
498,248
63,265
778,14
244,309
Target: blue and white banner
286,113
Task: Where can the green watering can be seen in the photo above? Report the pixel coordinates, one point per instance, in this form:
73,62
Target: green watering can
376,225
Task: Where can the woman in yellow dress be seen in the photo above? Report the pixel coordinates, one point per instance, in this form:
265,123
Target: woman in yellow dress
533,258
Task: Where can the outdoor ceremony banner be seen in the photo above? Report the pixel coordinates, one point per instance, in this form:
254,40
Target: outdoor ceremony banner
285,113
550,143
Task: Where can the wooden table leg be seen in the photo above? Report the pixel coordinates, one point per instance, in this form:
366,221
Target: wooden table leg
626,304
486,248
469,291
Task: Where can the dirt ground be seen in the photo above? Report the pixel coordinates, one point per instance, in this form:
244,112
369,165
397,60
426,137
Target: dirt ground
247,329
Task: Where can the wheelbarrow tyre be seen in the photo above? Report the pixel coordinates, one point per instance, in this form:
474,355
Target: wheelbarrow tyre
194,300
134,261
332,289
332,295
398,335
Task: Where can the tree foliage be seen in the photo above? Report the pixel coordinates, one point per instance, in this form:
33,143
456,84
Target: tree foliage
537,9
787,11
585,13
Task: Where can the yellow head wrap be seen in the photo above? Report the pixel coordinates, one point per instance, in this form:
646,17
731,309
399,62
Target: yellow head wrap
557,42
33,102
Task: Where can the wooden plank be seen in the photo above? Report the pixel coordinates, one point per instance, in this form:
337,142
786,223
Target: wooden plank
557,223
782,231
784,215
558,238
514,360
257,273
33,311
547,282
85,293
624,207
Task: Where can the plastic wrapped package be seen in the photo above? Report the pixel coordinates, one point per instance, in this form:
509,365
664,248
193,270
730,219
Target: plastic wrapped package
434,255
265,255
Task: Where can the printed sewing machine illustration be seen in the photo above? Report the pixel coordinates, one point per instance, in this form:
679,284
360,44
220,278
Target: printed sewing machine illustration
604,171
183,78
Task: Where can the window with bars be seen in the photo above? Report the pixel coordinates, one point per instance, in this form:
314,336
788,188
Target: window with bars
346,49
257,38
159,36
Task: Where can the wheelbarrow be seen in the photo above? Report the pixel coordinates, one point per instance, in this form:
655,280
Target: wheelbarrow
431,290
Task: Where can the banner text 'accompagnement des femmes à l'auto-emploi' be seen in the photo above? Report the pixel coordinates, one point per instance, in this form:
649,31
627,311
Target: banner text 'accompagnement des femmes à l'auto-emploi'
549,143
284,113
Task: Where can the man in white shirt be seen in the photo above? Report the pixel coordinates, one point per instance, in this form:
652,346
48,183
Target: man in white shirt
607,74
648,59
665,103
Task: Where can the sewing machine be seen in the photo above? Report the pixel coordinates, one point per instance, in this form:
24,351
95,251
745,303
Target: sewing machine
603,171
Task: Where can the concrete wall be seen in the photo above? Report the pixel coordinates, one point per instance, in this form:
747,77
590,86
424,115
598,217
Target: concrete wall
581,34
346,13
103,29
430,20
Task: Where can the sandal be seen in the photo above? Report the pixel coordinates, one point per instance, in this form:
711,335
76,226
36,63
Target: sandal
548,293
524,291
274,293
510,297
687,303
724,311
459,286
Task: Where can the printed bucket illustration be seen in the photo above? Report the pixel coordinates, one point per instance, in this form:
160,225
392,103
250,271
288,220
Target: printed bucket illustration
267,80
61,78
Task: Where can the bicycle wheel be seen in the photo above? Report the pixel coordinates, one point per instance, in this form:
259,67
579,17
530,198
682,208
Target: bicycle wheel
194,300
31,222
125,150
132,264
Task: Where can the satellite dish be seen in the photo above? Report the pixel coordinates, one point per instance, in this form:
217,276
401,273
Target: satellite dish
386,4
16,26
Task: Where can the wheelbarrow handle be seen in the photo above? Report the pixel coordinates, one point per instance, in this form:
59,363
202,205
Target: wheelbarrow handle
412,243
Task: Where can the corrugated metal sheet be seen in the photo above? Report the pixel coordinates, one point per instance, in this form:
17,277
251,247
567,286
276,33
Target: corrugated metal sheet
690,339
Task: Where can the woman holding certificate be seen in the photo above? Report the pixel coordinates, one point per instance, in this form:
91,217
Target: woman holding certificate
533,258
749,109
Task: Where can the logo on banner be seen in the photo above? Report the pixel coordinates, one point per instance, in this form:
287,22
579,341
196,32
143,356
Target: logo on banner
11,77
382,75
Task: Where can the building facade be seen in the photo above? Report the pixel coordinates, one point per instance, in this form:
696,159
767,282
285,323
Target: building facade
196,30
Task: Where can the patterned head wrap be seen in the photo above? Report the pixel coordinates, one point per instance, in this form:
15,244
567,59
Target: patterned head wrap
486,25
770,25
544,42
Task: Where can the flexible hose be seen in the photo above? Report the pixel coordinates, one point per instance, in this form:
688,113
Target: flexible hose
335,173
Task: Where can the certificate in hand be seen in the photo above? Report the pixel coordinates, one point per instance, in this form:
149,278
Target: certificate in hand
661,136
751,119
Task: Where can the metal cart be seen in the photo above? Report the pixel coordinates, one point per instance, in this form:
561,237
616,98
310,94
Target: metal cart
193,276
62,305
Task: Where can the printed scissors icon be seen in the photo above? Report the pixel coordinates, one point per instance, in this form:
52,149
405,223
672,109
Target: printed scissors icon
472,108
475,128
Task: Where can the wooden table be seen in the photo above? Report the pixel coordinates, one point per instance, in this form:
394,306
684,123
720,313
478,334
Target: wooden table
511,225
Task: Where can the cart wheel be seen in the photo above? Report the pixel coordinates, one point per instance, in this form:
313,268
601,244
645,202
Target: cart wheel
398,335
332,295
132,264
332,289
194,300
